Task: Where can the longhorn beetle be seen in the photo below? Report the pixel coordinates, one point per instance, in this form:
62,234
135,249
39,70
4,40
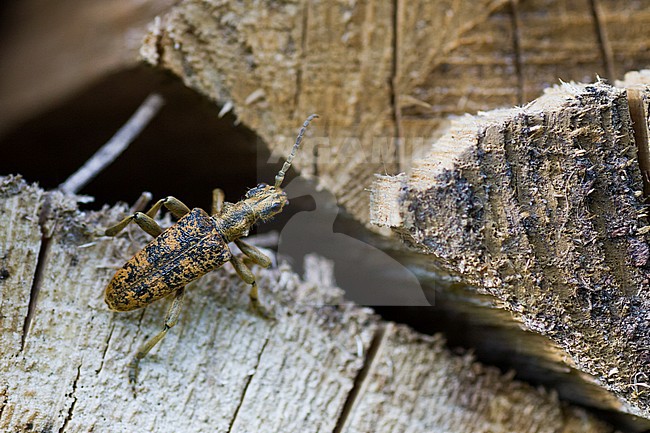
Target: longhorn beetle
194,246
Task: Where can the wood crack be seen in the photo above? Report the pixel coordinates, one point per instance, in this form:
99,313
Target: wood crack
400,156
4,402
35,289
603,41
360,380
74,401
248,382
516,46
108,341
301,56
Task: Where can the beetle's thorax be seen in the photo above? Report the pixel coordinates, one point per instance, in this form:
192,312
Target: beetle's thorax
260,204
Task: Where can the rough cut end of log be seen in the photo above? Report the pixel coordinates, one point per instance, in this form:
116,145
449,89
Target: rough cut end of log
384,75
386,212
276,63
324,366
543,207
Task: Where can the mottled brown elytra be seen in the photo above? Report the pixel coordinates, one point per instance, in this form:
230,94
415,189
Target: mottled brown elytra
195,245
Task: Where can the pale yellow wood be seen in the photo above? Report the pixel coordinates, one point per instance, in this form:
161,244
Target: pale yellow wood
395,399
321,367
385,75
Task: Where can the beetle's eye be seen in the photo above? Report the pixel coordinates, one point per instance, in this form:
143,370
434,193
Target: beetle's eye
276,207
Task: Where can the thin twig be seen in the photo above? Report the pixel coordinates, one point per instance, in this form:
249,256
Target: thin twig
115,146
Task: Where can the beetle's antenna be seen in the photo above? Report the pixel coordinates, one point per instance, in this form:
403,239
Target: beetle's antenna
280,176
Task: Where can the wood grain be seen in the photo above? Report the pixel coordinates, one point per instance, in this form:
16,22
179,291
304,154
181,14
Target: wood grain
321,367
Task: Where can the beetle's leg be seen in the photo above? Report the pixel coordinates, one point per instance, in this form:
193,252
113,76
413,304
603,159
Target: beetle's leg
174,205
218,197
253,253
170,320
146,222
143,220
248,277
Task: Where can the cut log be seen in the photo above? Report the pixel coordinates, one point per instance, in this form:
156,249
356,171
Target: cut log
365,107
344,65
543,208
375,72
383,75
323,366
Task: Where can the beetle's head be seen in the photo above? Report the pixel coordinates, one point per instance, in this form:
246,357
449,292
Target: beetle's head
261,203
266,201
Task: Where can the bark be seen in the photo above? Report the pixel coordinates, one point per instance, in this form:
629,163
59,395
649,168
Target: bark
323,366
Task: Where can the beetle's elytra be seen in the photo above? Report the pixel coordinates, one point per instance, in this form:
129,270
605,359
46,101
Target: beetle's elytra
188,249
194,246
